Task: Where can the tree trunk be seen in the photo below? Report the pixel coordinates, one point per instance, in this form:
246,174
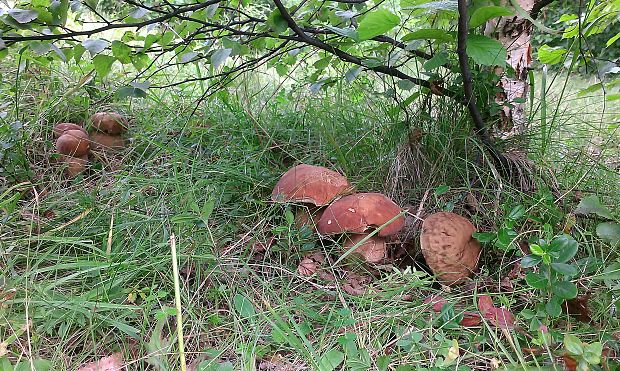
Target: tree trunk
515,33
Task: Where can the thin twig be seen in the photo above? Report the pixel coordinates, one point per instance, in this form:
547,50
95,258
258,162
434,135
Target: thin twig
177,301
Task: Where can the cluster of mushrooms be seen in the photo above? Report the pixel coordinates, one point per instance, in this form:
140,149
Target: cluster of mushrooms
73,141
330,209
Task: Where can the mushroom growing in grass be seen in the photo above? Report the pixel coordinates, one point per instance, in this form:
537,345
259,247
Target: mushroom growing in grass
448,247
314,186
74,165
73,143
61,128
108,129
361,213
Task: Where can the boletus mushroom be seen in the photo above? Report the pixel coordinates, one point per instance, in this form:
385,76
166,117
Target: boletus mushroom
111,123
315,186
102,141
74,165
448,247
73,143
360,213
61,128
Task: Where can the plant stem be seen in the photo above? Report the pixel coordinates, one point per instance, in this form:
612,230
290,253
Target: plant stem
177,300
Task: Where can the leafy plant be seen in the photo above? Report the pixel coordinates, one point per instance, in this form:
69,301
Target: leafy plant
585,354
554,274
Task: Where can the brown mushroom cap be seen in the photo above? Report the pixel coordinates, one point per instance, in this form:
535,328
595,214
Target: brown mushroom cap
109,122
372,250
310,184
359,212
61,128
448,246
74,165
73,143
103,141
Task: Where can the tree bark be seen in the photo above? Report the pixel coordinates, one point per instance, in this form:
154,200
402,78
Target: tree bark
515,33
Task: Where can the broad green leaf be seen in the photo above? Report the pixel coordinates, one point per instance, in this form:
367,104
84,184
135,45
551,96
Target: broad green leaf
549,55
613,39
565,269
537,250
553,307
536,280
428,34
352,74
276,22
166,38
590,89
484,13
140,61
437,61
130,92
437,6
592,205
484,237
529,261
592,353
376,23
565,289
149,40
39,365
103,64
138,13
188,57
486,51
23,16
612,97
39,48
121,51
3,53
563,248
573,344
331,360
612,272
243,306
347,31
211,9
78,51
219,57
281,69
517,212
95,46
609,232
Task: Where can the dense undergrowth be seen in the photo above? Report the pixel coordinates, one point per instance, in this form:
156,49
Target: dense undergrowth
86,263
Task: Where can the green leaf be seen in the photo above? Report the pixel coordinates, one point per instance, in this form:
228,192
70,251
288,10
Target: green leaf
437,61
103,64
530,261
78,51
565,269
484,13
486,51
23,16
563,248
276,22
149,40
166,38
592,205
517,212
428,34
613,39
537,250
549,55
573,345
347,31
331,360
590,89
121,51
565,289
130,91
609,232
553,307
383,362
612,272
243,306
484,237
95,46
437,6
219,57
612,97
592,353
377,23
536,280
352,74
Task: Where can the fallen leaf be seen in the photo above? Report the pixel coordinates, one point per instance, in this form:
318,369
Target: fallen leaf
470,319
578,308
570,364
113,362
437,301
485,303
356,284
500,317
310,264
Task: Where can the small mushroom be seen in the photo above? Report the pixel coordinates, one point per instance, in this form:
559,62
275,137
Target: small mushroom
102,141
109,122
373,250
359,212
448,247
74,165
315,185
61,128
73,143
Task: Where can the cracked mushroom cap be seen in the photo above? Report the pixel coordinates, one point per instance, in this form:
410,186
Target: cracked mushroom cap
310,184
109,122
448,246
360,212
373,250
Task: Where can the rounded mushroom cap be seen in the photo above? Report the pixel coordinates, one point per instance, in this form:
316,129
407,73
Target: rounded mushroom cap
359,212
103,141
448,246
73,143
74,165
109,122
61,128
310,184
372,250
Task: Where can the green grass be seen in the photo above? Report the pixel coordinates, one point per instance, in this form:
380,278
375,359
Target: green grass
91,265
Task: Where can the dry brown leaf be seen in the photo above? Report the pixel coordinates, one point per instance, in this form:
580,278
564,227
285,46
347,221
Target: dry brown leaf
113,362
310,264
500,317
356,284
